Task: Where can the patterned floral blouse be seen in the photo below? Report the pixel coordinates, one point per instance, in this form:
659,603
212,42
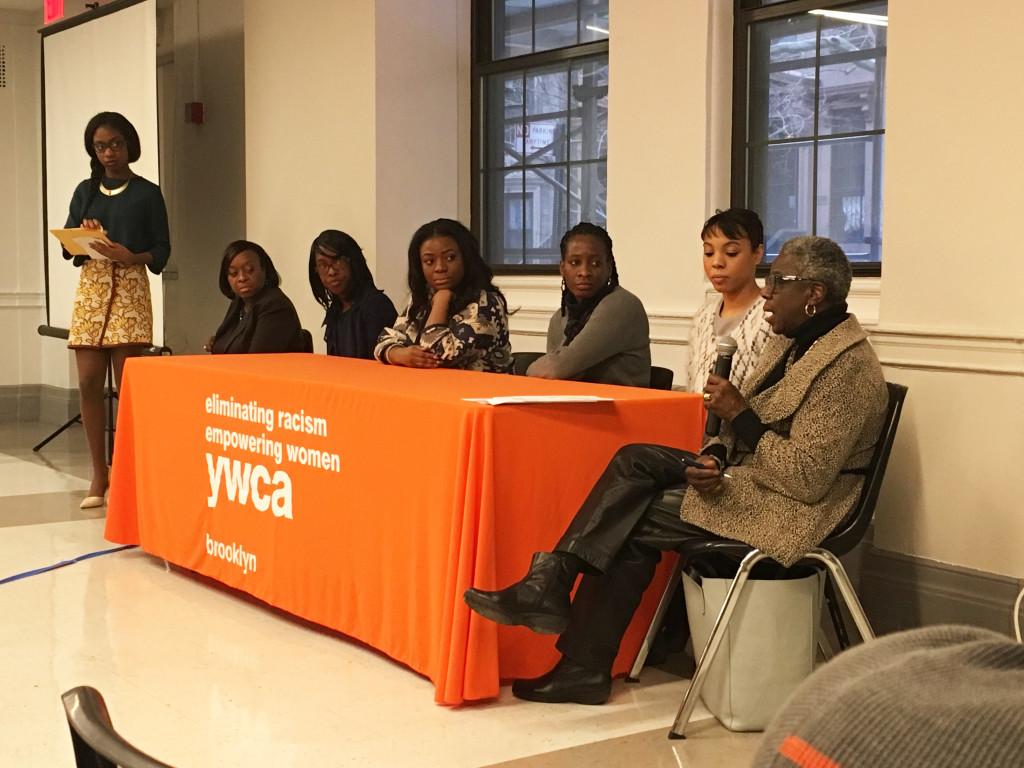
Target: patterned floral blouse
474,339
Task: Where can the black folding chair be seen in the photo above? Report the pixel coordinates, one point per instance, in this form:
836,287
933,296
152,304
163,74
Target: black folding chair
661,378
522,360
96,743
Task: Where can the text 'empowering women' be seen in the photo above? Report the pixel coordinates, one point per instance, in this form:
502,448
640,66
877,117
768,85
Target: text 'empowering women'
251,482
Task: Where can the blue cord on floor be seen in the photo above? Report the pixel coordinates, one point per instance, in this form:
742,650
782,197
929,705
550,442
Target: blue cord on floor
62,563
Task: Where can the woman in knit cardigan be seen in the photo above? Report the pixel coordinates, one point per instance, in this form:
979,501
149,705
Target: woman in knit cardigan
795,441
733,242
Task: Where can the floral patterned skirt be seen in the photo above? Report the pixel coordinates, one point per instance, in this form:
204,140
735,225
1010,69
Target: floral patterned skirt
112,306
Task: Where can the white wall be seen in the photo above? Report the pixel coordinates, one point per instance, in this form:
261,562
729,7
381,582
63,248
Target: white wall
310,133
358,128
418,126
203,166
952,322
22,303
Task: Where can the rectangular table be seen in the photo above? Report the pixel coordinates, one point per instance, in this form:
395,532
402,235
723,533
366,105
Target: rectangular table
368,498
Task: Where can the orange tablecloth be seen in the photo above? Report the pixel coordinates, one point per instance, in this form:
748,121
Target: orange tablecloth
391,495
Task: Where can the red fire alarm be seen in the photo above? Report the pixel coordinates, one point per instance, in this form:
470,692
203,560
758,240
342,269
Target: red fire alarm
53,10
194,112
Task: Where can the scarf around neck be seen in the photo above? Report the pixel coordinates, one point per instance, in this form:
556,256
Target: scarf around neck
579,312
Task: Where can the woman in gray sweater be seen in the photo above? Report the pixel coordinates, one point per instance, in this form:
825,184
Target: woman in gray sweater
600,333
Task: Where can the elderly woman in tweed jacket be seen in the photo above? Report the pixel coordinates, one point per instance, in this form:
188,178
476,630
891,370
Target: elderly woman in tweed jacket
795,442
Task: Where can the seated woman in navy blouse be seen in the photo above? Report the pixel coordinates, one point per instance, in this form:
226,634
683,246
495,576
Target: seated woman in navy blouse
357,311
456,316
261,318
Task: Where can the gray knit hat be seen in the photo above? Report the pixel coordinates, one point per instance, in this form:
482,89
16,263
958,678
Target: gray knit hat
936,697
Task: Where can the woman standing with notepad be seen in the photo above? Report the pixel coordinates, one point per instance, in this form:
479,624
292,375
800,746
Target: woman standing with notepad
112,317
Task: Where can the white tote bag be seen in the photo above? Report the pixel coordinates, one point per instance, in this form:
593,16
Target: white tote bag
767,651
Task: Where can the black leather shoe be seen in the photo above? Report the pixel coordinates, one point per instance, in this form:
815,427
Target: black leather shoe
567,682
539,601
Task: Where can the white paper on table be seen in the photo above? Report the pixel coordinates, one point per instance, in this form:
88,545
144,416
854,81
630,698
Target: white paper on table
528,399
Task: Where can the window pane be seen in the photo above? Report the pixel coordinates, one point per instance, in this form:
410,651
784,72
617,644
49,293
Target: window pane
545,130
506,219
780,189
851,89
840,37
545,141
547,94
850,194
589,123
505,121
555,24
513,28
782,78
545,203
792,39
850,97
588,194
593,20
547,91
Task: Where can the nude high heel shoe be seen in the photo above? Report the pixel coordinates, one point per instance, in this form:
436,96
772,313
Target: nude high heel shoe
92,502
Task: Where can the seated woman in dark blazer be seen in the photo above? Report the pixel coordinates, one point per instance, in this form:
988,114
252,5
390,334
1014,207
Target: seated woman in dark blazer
456,316
261,318
357,311
600,333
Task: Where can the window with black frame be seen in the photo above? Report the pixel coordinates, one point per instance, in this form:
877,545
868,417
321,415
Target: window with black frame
809,121
541,110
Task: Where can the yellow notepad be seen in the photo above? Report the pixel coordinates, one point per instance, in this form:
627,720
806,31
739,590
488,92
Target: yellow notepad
78,241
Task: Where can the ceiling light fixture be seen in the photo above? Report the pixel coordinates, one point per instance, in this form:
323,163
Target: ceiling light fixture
592,28
857,18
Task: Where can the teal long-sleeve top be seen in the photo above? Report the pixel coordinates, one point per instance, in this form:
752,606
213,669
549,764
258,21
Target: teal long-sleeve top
136,218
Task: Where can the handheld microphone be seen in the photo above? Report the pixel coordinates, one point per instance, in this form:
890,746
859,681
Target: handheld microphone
723,367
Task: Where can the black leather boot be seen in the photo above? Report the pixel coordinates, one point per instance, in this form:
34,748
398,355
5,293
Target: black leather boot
539,601
567,682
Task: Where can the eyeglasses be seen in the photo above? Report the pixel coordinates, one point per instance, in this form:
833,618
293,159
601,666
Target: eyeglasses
329,267
774,281
115,145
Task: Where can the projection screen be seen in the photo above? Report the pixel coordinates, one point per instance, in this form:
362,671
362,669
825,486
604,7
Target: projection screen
104,62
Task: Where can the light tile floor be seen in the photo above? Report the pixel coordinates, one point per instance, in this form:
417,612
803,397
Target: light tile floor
201,676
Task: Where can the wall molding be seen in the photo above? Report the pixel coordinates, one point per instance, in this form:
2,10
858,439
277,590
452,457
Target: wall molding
19,402
903,591
927,349
21,299
898,346
56,404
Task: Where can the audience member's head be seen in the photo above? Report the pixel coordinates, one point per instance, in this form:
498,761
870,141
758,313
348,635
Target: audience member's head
733,247
942,696
245,270
337,268
443,254
588,263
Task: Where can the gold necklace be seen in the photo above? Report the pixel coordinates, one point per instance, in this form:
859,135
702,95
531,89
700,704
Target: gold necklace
115,190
